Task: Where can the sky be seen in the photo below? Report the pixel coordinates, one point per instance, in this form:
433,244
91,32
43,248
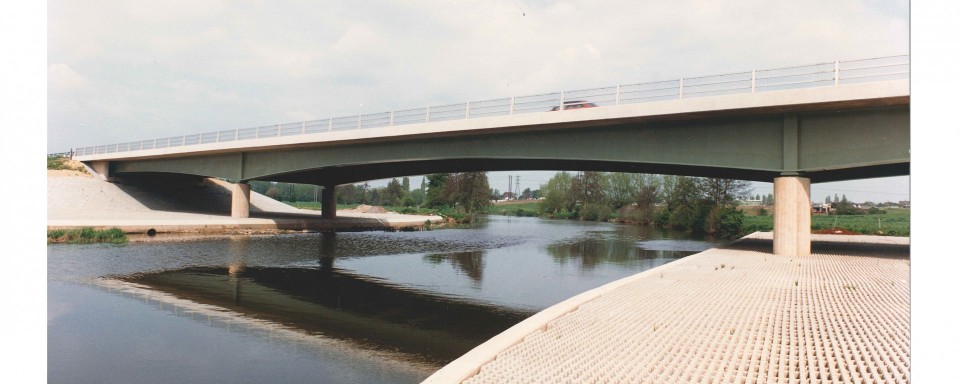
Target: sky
77,73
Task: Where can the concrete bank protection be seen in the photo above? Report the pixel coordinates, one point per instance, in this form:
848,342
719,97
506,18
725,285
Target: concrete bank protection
82,201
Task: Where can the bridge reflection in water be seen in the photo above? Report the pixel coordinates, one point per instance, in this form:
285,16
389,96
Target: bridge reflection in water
327,301
431,327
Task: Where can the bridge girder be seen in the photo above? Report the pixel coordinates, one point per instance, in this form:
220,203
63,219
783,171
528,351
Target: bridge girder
824,146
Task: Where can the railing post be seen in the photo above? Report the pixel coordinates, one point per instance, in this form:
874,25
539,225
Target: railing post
681,88
258,133
753,81
836,72
236,134
561,101
303,128
428,115
279,128
360,120
391,119
618,95
330,125
168,143
466,114
218,137
513,103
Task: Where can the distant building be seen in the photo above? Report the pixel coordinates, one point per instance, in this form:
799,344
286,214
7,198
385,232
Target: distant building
904,204
821,208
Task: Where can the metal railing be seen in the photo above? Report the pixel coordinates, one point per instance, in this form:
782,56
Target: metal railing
804,76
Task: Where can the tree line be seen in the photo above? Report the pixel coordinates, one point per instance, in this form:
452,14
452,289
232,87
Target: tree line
465,192
679,202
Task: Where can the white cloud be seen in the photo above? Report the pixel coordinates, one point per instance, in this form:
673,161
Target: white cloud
181,65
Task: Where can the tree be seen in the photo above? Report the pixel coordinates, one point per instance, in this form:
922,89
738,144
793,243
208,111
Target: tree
668,184
685,211
556,194
622,189
469,190
527,194
827,201
353,194
393,194
435,190
724,191
588,187
646,196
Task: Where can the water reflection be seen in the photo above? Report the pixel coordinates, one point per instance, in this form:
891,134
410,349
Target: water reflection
427,296
622,248
470,263
343,305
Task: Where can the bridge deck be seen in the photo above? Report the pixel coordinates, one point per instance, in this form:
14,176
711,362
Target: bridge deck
731,315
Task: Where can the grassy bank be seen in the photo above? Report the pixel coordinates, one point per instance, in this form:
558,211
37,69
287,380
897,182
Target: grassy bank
531,209
895,222
87,235
63,163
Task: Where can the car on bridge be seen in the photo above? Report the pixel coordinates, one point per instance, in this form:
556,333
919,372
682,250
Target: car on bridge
574,104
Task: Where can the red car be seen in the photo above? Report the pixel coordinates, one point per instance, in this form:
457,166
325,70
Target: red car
574,104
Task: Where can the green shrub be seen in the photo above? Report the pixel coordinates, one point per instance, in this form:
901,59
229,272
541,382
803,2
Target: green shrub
724,222
87,235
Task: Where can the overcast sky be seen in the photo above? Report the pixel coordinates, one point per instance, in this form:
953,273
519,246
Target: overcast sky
131,70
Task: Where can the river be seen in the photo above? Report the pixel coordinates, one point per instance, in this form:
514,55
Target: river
357,307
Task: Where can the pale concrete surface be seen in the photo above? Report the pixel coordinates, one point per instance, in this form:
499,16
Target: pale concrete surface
80,201
736,314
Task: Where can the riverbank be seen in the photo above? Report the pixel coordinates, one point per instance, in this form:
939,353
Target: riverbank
891,222
79,200
729,314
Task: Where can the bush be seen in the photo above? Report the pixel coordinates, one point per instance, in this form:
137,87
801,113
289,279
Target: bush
724,222
662,219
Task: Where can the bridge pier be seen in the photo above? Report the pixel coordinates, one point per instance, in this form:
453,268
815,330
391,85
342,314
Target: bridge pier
791,218
240,204
328,202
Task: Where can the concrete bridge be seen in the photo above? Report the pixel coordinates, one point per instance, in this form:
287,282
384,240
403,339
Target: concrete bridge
792,126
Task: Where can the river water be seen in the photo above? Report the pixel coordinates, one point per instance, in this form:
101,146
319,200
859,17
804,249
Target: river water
359,307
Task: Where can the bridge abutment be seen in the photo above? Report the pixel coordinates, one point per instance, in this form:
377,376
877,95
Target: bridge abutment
328,202
102,170
240,204
791,218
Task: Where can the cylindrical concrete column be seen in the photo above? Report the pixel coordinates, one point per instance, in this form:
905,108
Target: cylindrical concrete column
328,202
240,204
791,217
